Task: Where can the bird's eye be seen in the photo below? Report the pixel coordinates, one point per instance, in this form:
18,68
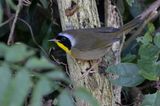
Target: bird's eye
63,39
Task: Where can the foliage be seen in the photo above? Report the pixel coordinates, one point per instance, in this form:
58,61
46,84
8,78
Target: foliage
146,66
128,74
151,99
27,74
24,73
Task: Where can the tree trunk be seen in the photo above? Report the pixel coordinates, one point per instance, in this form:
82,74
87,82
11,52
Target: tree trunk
113,18
75,14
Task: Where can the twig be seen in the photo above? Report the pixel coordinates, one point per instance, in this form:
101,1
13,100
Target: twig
11,37
152,8
7,21
61,63
58,62
33,38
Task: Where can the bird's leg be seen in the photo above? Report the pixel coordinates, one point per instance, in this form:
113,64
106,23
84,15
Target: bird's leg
90,70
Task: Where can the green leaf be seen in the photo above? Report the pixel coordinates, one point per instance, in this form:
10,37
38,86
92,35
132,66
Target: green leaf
124,69
130,2
149,76
149,52
148,69
151,99
129,58
65,99
151,27
57,75
130,81
146,39
18,53
157,68
83,94
128,74
22,84
157,101
39,64
157,40
5,78
42,88
18,89
3,49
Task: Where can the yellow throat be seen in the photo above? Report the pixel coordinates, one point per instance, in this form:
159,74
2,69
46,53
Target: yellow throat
63,47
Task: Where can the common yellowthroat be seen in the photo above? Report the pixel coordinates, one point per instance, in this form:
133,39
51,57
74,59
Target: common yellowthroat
91,43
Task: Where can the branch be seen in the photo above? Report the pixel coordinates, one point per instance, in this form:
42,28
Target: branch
148,15
11,35
152,8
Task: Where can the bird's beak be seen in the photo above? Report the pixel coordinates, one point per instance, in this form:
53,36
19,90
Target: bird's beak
61,45
53,40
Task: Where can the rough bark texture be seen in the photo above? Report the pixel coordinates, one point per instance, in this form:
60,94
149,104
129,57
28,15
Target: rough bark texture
96,82
114,19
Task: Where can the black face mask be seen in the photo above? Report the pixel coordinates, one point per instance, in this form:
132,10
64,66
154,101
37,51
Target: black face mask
65,41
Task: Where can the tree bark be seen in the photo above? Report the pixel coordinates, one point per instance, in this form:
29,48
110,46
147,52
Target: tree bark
86,16
113,18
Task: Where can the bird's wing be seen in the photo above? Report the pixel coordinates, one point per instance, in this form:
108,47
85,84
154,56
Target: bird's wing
92,38
92,43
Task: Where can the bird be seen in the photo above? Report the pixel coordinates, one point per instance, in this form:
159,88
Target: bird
92,43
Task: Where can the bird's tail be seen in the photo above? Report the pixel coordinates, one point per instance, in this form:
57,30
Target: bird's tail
131,25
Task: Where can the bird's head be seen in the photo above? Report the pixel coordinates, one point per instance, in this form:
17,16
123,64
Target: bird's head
64,41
